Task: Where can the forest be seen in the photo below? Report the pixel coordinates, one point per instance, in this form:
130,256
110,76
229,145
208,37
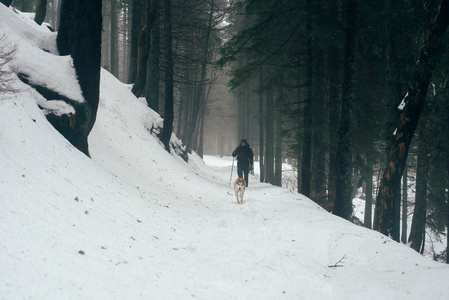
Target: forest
352,93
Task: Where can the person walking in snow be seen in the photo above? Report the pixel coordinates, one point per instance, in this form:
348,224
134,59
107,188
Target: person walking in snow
245,161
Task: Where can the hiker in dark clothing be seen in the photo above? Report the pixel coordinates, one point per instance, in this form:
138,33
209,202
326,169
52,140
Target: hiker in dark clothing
245,161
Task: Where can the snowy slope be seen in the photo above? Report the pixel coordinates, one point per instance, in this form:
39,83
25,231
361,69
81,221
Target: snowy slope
135,222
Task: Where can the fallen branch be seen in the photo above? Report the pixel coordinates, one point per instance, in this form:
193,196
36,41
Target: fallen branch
337,263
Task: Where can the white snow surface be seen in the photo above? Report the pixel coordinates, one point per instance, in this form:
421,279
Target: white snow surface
135,222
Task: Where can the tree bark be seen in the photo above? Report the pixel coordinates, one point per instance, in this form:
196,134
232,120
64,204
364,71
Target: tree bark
41,11
343,201
261,132
447,221
333,108
278,152
318,192
87,61
408,120
418,229
64,38
24,5
306,160
269,131
168,107
80,36
114,39
142,61
404,207
153,74
136,26
6,2
367,221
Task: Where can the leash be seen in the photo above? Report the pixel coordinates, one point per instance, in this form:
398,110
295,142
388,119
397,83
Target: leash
232,169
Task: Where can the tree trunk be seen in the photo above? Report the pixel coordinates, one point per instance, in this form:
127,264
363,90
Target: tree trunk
318,192
24,5
343,201
447,221
278,152
41,11
261,132
168,107
142,61
86,55
6,2
106,34
418,228
64,38
269,152
241,112
333,108
408,120
136,27
114,39
369,196
404,207
248,111
396,233
80,36
153,74
306,161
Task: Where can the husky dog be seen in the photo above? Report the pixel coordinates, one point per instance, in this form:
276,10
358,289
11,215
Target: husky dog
239,189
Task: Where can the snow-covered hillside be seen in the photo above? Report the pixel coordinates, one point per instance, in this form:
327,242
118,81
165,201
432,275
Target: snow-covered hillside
135,222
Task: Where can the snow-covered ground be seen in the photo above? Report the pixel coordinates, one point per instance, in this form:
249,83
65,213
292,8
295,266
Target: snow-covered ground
135,222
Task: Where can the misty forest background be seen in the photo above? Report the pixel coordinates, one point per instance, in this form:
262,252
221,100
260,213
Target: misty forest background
335,88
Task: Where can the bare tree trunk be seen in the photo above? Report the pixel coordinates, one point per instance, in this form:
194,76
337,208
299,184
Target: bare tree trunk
142,60
41,11
367,222
6,2
447,221
106,36
261,132
168,107
114,39
408,120
404,207
334,114
136,26
153,74
343,201
418,229
306,160
269,152
81,37
24,5
278,152
87,61
64,39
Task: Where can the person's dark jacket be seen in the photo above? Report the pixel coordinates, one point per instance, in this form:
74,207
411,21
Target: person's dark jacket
244,154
